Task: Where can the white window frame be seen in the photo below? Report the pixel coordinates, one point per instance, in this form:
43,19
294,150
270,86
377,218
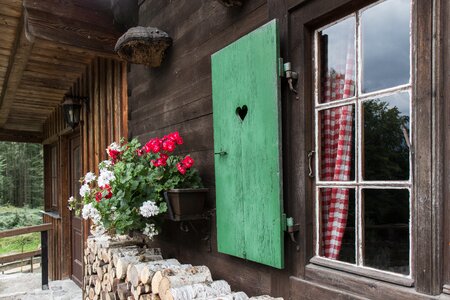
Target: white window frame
358,184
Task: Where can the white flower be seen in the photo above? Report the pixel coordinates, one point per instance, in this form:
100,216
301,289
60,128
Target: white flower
89,177
150,231
85,212
114,146
149,209
104,165
92,213
105,177
70,201
84,190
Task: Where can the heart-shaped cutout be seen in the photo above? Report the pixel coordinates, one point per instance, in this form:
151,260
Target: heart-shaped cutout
241,112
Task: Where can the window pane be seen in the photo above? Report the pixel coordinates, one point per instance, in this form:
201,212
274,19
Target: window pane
386,138
385,45
386,229
338,223
337,61
337,144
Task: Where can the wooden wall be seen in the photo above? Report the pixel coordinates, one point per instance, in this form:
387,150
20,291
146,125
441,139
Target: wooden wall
104,120
177,96
54,250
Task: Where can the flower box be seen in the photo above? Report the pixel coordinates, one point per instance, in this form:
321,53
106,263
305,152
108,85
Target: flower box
185,203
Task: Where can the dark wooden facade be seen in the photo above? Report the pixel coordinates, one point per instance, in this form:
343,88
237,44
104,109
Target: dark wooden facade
177,96
103,121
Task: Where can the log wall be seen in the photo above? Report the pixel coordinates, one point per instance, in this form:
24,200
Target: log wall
177,96
103,120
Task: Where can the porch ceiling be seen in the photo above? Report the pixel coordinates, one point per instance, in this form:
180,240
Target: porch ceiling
45,45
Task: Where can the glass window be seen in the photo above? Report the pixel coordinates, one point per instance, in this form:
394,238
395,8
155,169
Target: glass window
362,137
386,137
386,229
337,61
337,143
385,45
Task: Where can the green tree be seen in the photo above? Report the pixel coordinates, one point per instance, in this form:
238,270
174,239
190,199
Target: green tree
21,174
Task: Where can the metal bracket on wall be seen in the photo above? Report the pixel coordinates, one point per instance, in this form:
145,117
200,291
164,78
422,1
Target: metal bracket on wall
291,76
188,223
291,229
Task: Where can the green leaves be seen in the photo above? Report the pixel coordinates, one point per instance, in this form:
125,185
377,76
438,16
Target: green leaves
137,179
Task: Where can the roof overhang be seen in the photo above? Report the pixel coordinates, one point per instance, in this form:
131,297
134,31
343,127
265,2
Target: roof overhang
45,46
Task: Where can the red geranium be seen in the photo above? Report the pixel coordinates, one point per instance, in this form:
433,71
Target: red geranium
188,162
104,193
181,168
168,145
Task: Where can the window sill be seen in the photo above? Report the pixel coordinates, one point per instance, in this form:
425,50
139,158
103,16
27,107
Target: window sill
52,214
366,272
362,286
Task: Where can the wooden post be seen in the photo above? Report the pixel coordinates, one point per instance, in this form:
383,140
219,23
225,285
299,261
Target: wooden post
44,262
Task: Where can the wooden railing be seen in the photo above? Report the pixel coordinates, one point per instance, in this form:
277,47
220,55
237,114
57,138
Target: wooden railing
19,260
43,229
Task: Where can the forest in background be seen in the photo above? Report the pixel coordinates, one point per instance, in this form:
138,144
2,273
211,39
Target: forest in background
21,174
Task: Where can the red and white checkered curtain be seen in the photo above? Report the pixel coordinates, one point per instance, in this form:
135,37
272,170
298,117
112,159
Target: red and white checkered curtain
336,142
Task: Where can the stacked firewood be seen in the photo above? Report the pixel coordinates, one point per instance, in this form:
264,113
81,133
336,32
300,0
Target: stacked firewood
123,269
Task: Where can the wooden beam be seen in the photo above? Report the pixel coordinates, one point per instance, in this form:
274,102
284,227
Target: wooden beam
25,230
19,58
20,256
7,135
70,24
73,10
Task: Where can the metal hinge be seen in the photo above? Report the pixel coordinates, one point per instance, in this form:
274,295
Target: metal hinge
291,229
287,72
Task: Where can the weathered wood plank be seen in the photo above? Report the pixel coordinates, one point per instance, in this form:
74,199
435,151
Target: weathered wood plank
124,101
445,77
102,113
16,257
249,193
96,113
357,285
73,32
71,11
20,54
25,230
20,136
425,269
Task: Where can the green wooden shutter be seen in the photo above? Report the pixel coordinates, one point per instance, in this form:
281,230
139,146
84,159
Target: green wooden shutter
245,74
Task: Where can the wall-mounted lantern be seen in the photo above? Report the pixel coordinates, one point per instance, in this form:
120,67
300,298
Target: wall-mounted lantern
72,109
231,3
143,45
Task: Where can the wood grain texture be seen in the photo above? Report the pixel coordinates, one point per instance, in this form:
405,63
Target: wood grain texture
445,77
100,90
359,285
20,54
177,96
246,110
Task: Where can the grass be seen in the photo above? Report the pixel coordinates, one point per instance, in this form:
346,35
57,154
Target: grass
13,245
14,217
